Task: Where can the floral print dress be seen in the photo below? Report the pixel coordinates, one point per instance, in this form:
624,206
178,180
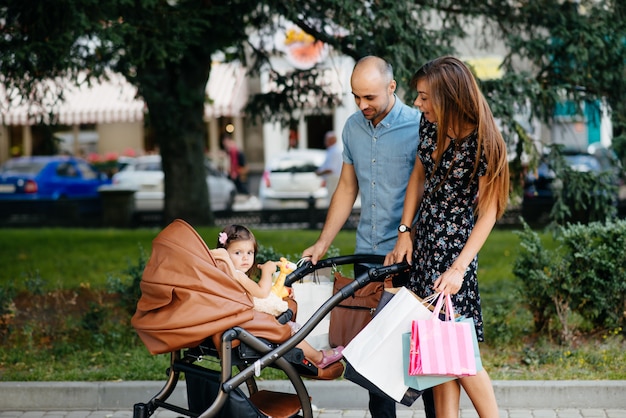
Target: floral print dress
446,218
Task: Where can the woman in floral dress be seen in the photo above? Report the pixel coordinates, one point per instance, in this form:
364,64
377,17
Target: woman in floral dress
458,189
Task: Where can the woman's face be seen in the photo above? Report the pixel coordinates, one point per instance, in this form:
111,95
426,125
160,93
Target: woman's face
242,254
423,101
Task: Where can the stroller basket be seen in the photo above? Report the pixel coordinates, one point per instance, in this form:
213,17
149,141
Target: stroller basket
220,393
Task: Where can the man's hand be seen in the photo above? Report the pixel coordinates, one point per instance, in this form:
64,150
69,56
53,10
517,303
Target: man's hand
315,252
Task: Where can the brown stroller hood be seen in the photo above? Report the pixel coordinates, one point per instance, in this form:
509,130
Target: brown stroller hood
188,295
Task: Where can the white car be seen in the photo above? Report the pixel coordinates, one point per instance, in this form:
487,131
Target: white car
289,180
146,176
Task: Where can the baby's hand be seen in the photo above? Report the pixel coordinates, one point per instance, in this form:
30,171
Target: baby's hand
268,266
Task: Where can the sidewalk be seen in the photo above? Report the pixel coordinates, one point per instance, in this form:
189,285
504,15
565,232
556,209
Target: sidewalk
347,413
334,399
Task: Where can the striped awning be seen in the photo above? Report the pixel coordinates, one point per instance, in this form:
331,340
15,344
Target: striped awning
115,100
105,101
227,90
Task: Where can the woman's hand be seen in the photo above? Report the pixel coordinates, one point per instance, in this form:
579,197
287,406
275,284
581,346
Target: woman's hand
403,250
450,281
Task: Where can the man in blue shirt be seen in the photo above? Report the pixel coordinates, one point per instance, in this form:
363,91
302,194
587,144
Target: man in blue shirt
379,150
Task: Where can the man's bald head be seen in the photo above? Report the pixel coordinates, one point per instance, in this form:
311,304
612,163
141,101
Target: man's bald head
374,65
373,87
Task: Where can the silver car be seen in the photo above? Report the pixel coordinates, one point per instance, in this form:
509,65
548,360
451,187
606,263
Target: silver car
289,180
145,174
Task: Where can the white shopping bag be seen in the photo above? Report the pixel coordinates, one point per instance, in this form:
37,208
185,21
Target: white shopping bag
310,294
376,352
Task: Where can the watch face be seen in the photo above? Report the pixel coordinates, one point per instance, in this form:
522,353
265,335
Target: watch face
403,228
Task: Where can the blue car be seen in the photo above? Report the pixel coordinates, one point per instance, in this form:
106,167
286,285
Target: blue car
50,185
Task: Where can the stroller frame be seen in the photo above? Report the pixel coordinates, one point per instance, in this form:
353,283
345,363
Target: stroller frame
269,357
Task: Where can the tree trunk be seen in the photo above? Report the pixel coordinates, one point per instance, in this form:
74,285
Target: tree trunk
175,98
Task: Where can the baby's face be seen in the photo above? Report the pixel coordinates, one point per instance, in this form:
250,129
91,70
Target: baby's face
242,255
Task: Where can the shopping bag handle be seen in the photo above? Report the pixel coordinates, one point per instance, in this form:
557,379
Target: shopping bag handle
448,312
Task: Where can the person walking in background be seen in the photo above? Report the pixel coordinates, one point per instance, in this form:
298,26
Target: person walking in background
379,148
331,167
458,189
237,170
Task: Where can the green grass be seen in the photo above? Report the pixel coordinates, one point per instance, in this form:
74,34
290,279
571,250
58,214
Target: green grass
59,258
47,260
66,258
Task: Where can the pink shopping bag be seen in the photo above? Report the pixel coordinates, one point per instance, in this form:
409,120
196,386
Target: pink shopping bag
442,348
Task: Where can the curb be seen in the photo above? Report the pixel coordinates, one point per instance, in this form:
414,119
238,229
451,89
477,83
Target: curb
511,394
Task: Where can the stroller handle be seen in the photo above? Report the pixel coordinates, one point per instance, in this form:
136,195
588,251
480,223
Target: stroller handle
343,293
307,267
382,272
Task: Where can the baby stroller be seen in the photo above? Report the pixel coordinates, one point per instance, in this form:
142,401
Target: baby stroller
192,309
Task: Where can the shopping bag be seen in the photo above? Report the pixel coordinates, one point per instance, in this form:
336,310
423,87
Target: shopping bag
409,397
442,348
376,352
424,382
311,293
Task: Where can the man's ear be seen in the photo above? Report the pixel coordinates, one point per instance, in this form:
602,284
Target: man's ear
392,86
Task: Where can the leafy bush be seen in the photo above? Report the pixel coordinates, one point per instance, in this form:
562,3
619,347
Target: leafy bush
269,253
581,196
584,275
618,145
128,288
7,309
266,253
597,263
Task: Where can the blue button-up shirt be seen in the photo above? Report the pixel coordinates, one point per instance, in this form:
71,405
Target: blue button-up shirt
383,158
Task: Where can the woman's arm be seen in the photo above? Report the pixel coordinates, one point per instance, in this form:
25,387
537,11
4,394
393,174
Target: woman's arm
450,281
414,193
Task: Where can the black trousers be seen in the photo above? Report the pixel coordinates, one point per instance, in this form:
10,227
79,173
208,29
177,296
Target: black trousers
382,407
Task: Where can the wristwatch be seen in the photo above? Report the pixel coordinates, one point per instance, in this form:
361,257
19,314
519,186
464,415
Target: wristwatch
404,228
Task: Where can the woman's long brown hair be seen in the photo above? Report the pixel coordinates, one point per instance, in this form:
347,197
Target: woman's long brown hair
458,102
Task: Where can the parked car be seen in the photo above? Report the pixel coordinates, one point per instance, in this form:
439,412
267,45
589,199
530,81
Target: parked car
289,180
145,174
48,185
538,197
